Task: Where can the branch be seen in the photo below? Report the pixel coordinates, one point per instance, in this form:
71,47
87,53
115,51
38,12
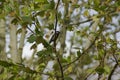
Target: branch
113,70
58,60
81,22
84,52
91,73
115,59
22,38
116,31
7,64
30,30
115,66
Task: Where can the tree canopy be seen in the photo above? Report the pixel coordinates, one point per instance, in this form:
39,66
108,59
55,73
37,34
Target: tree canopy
87,47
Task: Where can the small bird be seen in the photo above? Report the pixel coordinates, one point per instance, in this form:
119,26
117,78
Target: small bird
54,37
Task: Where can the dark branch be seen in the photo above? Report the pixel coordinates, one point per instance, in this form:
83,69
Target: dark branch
30,30
78,23
57,56
113,70
115,59
115,66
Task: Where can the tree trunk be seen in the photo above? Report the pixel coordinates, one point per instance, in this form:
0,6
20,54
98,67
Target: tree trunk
21,44
2,40
13,43
3,55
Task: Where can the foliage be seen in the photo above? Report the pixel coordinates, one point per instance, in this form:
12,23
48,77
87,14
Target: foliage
92,48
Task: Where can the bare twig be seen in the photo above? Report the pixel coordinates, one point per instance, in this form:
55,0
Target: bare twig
57,56
30,30
115,59
81,22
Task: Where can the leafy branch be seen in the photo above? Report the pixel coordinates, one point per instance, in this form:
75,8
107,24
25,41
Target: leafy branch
114,68
22,68
84,52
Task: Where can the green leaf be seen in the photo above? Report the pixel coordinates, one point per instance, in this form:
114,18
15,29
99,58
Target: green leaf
34,46
14,21
107,69
45,53
76,6
42,1
19,31
86,13
90,70
51,26
2,0
44,5
41,53
70,28
68,78
66,1
7,8
40,13
96,57
47,6
78,53
64,60
56,66
42,65
100,70
90,1
6,64
28,70
26,20
12,77
39,39
101,52
37,6
117,53
96,2
103,7
31,39
52,5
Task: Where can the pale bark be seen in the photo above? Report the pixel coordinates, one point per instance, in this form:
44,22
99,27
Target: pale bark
13,43
92,36
3,55
21,44
2,40
63,31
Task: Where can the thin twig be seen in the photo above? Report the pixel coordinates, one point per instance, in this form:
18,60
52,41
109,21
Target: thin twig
115,59
81,22
58,60
91,73
30,30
